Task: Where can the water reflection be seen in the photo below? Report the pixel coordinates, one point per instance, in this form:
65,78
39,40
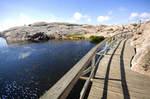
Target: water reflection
24,55
3,43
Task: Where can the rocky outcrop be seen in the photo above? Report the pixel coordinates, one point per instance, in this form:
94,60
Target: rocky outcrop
141,42
45,31
110,30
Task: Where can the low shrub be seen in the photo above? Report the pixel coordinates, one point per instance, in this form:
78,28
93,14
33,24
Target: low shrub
96,39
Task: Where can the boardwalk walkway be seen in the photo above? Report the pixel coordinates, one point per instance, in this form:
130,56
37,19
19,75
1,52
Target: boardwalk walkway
114,78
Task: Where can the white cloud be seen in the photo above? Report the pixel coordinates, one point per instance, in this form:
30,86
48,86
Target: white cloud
89,20
103,18
134,16
122,9
24,19
24,16
143,16
109,12
77,16
7,23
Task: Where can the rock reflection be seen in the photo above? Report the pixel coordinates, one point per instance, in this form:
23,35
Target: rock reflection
3,43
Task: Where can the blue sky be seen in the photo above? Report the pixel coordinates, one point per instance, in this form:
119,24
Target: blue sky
20,12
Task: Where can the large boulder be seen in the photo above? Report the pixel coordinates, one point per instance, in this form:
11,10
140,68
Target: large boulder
39,37
141,42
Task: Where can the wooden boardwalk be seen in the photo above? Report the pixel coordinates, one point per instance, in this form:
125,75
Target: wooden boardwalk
114,78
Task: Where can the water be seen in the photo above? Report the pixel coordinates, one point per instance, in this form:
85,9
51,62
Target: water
27,71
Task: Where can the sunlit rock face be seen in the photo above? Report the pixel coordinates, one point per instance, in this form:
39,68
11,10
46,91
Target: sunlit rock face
141,41
45,31
3,43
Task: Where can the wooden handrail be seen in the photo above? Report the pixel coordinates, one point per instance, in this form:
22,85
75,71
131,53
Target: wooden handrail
63,87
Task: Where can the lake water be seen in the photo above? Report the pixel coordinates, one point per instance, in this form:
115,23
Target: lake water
27,71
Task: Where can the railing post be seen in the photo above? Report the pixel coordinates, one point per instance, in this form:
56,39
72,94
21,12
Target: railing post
112,43
93,61
106,48
93,64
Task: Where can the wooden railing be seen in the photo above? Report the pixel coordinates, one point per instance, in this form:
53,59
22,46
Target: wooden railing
63,87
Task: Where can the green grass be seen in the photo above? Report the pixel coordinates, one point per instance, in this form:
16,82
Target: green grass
76,37
96,39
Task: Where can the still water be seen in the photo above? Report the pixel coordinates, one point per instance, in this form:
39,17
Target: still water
27,71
